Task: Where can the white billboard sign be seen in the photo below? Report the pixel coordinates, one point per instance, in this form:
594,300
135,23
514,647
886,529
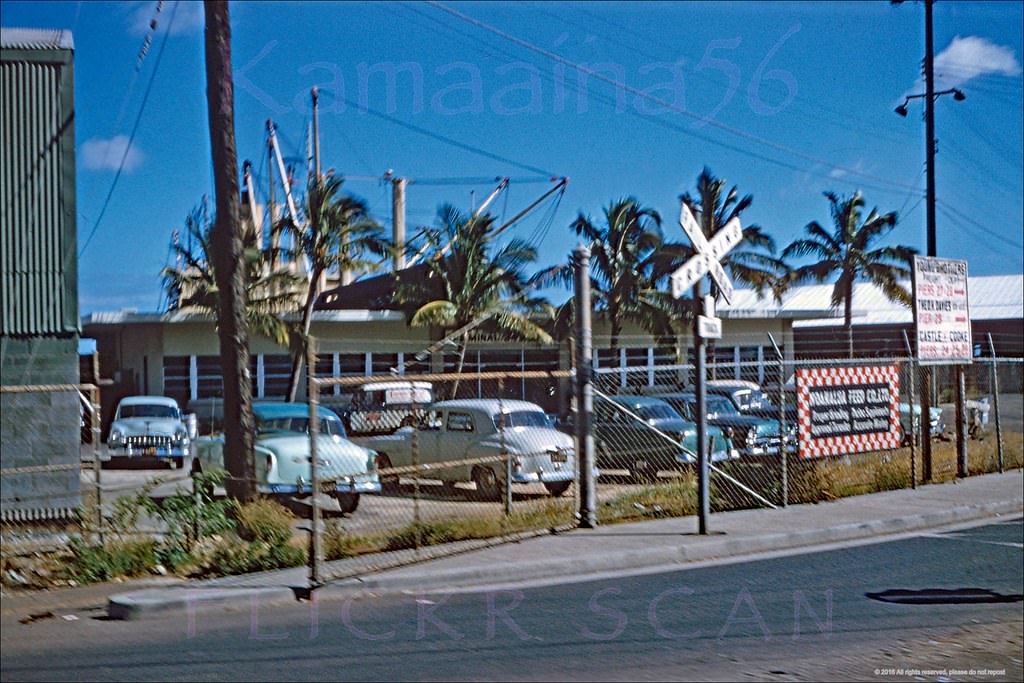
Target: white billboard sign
942,321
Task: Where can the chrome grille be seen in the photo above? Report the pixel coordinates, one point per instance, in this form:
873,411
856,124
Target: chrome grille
148,441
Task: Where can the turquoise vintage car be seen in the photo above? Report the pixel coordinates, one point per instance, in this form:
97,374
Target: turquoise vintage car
282,455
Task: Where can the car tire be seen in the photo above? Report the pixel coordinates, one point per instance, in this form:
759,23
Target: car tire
388,484
557,488
347,501
179,463
488,486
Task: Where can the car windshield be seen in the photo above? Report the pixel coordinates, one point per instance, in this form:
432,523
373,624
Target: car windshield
721,406
148,410
298,425
657,411
523,418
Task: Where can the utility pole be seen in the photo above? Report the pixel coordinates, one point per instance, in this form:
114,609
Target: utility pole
398,220
229,257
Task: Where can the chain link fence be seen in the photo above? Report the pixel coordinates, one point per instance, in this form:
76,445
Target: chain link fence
462,458
499,460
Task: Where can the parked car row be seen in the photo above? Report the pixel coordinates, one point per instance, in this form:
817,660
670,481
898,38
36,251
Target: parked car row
391,425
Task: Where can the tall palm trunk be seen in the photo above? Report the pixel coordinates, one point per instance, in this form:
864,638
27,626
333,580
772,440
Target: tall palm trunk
464,342
299,348
233,327
848,317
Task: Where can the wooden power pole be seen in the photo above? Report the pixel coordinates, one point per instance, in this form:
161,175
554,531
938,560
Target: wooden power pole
229,258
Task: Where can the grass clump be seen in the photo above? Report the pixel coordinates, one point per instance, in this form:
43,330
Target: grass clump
673,498
118,558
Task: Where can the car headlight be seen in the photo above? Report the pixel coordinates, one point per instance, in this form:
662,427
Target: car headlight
116,437
181,438
751,438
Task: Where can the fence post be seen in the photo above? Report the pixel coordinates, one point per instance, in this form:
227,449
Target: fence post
961,422
94,397
913,432
313,391
417,530
995,402
783,455
507,495
584,388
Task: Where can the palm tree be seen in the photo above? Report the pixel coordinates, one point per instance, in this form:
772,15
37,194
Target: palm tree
847,251
191,286
753,260
471,283
628,259
338,234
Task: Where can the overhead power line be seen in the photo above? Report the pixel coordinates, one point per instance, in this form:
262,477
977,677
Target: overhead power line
135,129
447,140
656,100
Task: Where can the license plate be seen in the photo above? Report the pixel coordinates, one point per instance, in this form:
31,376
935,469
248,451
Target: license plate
558,457
151,450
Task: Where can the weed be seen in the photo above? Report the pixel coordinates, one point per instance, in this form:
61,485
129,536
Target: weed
90,564
264,520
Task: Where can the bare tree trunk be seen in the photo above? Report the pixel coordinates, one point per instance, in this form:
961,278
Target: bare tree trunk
229,257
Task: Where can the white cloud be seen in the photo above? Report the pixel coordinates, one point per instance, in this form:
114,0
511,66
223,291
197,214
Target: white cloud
966,58
188,18
98,154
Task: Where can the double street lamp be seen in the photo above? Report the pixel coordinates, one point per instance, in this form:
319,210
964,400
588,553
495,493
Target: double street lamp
957,94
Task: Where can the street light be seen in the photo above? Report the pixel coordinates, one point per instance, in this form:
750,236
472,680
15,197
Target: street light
957,94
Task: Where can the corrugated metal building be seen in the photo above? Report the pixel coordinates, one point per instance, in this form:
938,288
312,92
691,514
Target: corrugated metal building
39,327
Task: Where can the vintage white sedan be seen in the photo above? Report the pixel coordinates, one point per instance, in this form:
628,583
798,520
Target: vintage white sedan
464,440
283,459
149,426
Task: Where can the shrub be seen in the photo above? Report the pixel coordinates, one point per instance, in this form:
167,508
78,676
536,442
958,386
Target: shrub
90,564
228,554
266,521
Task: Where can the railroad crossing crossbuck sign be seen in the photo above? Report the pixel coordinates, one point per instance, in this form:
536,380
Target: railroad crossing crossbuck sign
707,260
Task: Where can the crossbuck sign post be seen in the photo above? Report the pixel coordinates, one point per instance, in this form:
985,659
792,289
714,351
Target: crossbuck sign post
706,261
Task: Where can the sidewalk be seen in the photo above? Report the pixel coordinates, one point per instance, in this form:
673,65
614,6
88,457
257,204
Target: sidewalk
663,543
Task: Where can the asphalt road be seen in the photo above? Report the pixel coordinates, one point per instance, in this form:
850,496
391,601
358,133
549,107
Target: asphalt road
921,608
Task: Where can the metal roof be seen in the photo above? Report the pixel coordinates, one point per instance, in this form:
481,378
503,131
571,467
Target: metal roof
133,317
36,39
989,297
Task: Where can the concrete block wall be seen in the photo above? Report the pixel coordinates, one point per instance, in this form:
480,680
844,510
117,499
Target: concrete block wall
39,428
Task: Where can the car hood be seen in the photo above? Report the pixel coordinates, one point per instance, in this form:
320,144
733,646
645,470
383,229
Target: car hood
146,425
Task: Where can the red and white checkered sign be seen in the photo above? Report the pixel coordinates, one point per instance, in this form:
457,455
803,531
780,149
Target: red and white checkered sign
840,443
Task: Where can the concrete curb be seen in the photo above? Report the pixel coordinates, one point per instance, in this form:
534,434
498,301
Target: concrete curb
193,598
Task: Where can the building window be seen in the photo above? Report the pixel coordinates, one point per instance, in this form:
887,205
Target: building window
209,380
177,382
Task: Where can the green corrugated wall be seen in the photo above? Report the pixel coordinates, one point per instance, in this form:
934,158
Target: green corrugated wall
38,272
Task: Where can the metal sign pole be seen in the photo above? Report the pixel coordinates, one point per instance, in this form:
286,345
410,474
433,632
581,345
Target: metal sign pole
783,455
703,489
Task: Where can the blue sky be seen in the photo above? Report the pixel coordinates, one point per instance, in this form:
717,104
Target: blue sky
784,100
